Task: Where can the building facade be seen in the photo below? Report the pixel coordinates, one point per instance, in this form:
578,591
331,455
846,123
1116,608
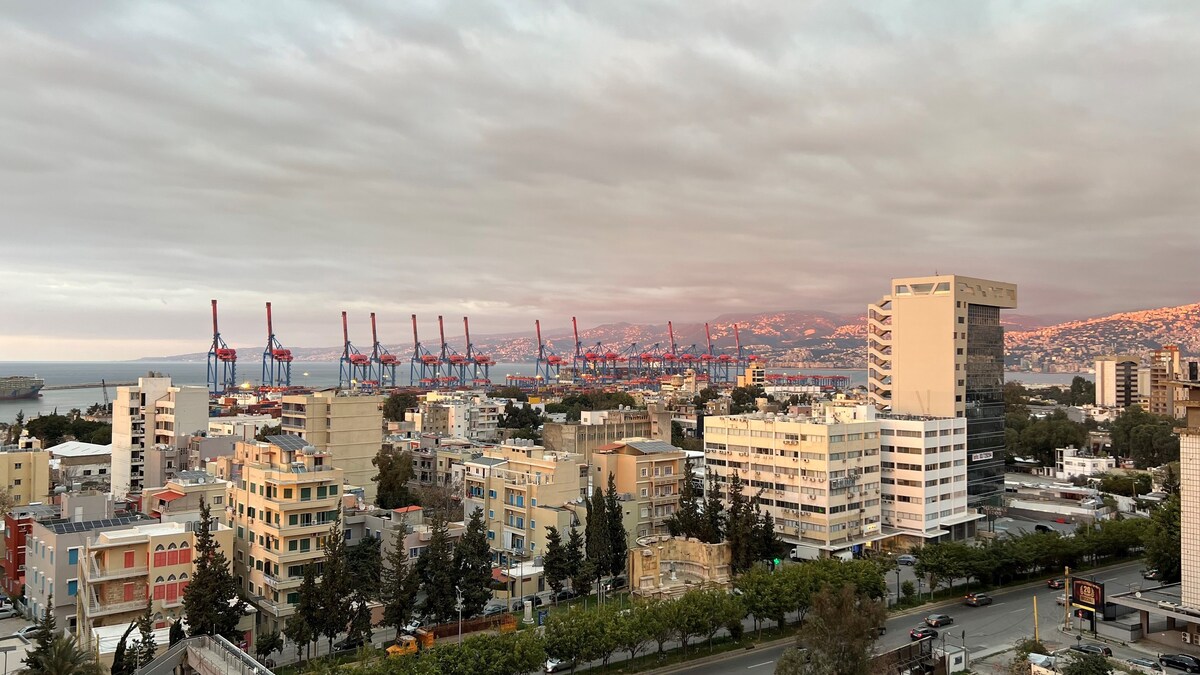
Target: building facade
18,523
819,476
349,428
25,474
283,497
1164,371
651,473
935,347
1117,381
1072,462
153,414
600,427
924,478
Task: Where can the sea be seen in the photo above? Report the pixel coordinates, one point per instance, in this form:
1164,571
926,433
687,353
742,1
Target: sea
308,374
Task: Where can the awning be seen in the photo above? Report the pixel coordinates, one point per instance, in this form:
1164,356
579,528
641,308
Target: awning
169,495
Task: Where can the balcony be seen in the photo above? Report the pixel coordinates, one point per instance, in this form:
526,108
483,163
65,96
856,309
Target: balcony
93,572
95,608
280,584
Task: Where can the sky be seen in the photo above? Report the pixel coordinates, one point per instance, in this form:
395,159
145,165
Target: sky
637,161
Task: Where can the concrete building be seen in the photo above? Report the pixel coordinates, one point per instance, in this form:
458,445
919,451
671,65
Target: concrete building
819,475
407,526
1071,462
83,463
25,474
348,428
1164,371
1117,381
935,347
601,427
242,427
523,488
282,499
651,473
924,479
154,417
470,415
181,498
54,548
18,523
1189,494
121,570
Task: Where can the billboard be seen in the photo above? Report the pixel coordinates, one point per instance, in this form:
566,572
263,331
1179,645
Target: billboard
1087,595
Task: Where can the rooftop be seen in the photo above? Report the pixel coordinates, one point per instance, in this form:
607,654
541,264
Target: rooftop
67,527
80,449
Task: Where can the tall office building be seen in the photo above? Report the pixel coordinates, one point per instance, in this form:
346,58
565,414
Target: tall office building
1117,381
1164,370
935,347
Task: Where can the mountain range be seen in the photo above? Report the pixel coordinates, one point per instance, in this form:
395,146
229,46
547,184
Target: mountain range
816,339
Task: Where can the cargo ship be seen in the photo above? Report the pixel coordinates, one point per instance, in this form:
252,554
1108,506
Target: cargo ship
20,386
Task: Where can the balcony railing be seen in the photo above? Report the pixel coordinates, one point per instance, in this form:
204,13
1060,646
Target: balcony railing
96,608
95,573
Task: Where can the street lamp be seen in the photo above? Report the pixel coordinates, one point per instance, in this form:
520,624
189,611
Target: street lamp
897,584
6,650
459,607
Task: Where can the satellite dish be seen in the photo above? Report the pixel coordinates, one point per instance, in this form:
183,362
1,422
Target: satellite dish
1137,594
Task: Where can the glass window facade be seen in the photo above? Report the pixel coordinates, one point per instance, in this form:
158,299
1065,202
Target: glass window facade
984,404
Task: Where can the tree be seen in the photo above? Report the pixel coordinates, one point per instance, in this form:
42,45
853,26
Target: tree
617,537
437,573
400,585
267,644
299,632
1086,664
308,620
631,632
473,565
64,657
212,602
574,561
554,562
766,540
334,590
739,527
122,664
360,618
365,565
1163,540
267,431
686,521
47,627
391,483
659,617
712,529
176,633
839,634
596,534
145,648
1168,477
764,595
396,405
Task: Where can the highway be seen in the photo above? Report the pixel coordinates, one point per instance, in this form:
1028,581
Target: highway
996,626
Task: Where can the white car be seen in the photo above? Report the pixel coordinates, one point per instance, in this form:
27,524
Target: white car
28,632
411,627
554,665
8,612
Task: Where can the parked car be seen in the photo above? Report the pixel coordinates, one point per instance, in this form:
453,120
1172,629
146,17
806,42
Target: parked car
1098,650
534,600
615,583
1151,574
554,665
1144,665
411,627
938,620
922,632
881,630
978,599
493,610
1056,582
1184,662
907,559
1061,599
348,644
564,594
8,612
28,632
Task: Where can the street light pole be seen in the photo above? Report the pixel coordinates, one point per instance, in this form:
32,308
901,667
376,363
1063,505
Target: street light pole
459,607
897,585
6,650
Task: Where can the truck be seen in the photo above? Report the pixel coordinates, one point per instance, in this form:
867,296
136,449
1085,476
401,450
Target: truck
812,553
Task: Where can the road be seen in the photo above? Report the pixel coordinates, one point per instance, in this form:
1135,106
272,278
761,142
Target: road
999,625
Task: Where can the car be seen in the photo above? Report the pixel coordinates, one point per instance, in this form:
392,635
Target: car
881,630
493,610
1098,650
564,594
28,632
906,559
1056,582
411,627
554,665
1061,599
1184,662
8,612
922,632
977,599
1151,574
614,583
534,600
938,620
348,644
1144,664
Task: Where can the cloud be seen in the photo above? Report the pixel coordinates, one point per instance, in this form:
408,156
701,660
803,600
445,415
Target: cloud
616,162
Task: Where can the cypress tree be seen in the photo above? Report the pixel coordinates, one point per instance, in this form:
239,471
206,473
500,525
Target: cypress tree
574,561
47,627
617,536
308,609
146,648
122,664
212,602
176,633
686,520
598,545
712,529
740,526
473,564
400,584
334,591
437,567
554,562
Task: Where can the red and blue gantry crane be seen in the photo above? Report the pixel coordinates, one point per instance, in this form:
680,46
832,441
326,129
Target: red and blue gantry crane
423,366
222,361
481,364
548,364
354,366
276,361
453,371
383,362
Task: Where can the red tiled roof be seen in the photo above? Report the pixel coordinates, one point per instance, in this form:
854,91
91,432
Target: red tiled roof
407,509
169,495
499,576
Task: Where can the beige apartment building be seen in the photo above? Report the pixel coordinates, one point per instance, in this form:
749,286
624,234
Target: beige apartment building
25,474
651,473
181,498
347,427
1117,381
601,427
282,499
158,418
1164,370
121,570
818,476
935,347
522,489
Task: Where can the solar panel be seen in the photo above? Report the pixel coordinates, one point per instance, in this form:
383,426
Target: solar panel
288,442
87,526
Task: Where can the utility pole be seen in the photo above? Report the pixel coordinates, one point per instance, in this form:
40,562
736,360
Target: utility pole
1036,635
1067,599
459,607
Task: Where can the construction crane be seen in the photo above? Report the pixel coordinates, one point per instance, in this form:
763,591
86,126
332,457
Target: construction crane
222,362
423,369
548,362
355,367
107,404
383,362
276,361
481,364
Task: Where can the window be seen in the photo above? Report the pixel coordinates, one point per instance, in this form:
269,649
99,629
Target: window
305,544
305,494
287,493
17,481
491,513
16,466
491,534
73,556
72,587
491,494
293,598
645,472
293,544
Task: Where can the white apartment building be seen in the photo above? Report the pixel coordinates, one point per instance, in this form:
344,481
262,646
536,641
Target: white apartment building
470,415
924,478
819,476
1117,381
1071,462
154,413
243,427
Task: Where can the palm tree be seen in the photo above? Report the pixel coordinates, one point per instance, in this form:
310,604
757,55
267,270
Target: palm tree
64,657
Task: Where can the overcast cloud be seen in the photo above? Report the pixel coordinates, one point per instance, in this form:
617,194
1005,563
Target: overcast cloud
635,161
